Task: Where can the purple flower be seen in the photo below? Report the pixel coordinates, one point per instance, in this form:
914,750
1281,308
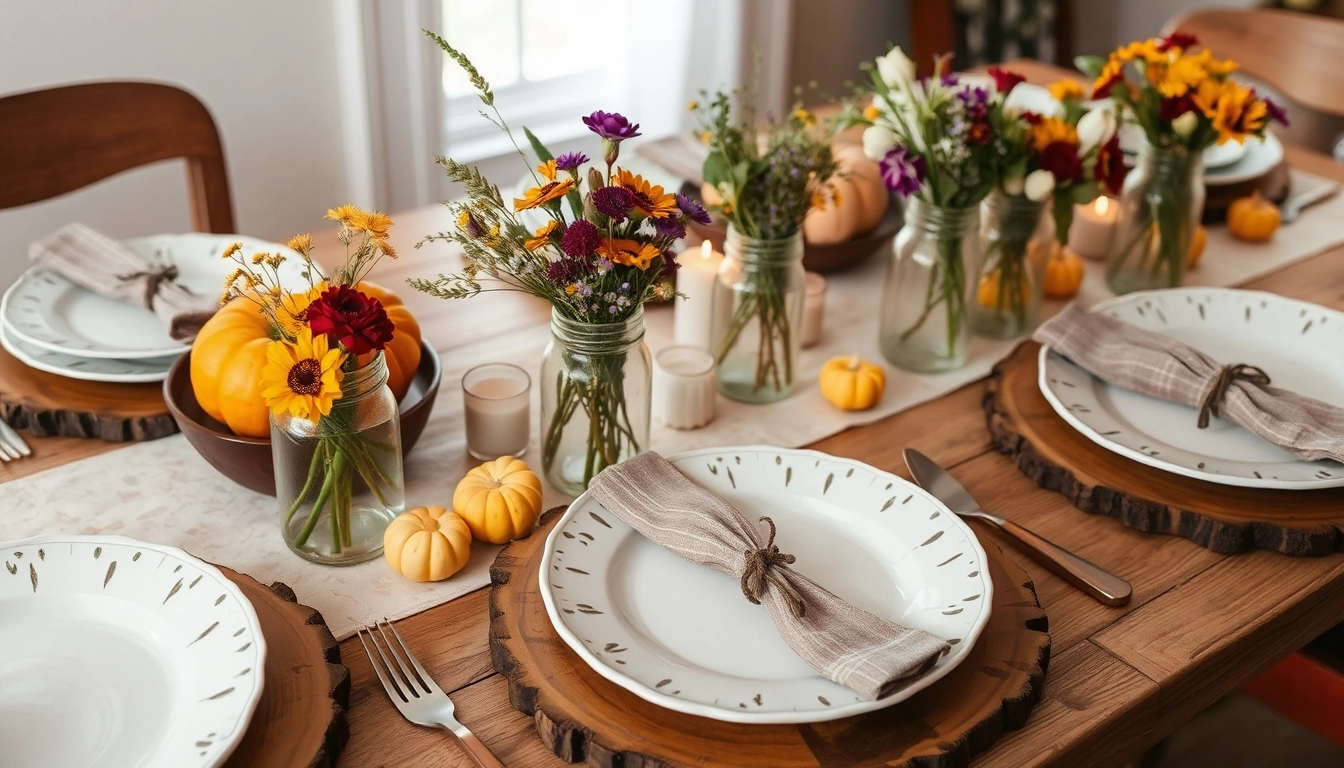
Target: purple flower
581,239
570,161
692,209
1276,112
611,126
565,271
902,172
613,202
671,227
670,264
975,100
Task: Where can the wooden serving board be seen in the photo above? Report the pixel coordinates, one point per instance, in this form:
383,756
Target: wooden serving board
582,717
1222,518
46,405
300,719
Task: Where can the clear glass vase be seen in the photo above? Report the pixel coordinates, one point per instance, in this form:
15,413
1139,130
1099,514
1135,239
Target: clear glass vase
1016,239
1160,207
339,479
595,381
924,324
759,337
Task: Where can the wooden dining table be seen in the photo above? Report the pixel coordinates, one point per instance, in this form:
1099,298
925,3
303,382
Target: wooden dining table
1120,678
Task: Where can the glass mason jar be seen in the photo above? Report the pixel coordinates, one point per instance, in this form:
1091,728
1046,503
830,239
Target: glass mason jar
339,479
924,325
1016,240
760,331
595,381
1160,207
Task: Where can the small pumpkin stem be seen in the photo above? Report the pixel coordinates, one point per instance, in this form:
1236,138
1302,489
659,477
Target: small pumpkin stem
853,362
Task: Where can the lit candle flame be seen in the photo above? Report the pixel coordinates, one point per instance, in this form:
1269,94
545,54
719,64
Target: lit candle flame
1103,203
706,250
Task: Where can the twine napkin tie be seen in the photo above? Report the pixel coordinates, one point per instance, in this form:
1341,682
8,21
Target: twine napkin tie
1218,386
154,279
854,648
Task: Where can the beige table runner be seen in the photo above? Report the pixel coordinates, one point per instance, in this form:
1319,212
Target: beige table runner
162,491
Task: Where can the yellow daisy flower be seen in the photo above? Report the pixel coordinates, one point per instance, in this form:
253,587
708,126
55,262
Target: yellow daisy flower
345,214
291,311
302,378
630,253
805,117
375,223
300,243
648,198
539,196
1067,90
232,249
1235,111
542,237
1050,130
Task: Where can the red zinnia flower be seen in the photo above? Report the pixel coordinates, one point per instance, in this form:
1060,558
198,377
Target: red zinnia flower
1173,108
1177,40
1110,169
1004,80
980,133
357,321
1103,89
1061,159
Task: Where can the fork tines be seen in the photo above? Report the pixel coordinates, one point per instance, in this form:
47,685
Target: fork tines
399,672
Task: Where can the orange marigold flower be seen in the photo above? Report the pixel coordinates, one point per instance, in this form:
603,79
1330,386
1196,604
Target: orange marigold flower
542,238
648,198
539,196
547,169
1068,90
630,253
1049,130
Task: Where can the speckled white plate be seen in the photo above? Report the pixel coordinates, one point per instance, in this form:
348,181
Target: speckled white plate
86,368
115,652
682,636
1300,346
49,312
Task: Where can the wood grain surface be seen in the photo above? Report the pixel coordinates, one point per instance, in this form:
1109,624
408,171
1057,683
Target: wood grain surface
582,717
300,720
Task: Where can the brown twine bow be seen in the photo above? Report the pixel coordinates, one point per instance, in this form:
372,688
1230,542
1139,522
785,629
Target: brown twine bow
154,279
757,573
1226,377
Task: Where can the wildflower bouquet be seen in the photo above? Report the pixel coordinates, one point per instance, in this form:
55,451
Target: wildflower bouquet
603,250
766,187
324,358
1184,102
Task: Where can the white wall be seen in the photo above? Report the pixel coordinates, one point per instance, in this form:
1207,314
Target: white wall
266,70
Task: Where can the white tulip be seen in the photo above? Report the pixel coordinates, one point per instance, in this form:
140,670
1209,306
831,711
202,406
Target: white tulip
1185,124
878,140
1032,98
1038,185
1013,185
1095,128
896,69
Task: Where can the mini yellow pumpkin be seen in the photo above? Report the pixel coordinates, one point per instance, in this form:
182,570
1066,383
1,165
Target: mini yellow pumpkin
1253,218
1063,274
427,544
987,295
500,500
1197,243
852,384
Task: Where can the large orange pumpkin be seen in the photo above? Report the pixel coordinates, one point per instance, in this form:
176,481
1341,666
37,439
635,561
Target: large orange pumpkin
230,351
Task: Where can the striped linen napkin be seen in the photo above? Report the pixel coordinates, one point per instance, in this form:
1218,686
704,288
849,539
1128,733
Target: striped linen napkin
856,649
1158,366
94,261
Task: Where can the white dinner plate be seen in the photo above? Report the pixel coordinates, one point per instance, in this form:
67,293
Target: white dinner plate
1300,346
115,652
1229,163
86,368
47,311
683,637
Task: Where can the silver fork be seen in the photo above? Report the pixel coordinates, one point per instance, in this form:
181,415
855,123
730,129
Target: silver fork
414,692
11,445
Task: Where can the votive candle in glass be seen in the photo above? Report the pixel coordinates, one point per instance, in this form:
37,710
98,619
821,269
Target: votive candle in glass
1093,227
684,387
496,401
814,308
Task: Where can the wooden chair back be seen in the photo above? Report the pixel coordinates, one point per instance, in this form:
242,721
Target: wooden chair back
57,140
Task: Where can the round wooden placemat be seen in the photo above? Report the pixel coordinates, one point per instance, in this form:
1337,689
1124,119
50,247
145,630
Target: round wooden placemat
1223,518
583,717
46,405
300,720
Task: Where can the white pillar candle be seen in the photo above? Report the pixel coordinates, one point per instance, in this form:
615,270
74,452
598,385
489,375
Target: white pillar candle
496,403
1093,227
693,317
683,387
814,307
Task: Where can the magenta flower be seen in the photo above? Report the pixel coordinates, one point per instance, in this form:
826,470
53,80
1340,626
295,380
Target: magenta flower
570,161
670,226
611,126
903,172
613,202
695,211
670,264
581,239
1276,112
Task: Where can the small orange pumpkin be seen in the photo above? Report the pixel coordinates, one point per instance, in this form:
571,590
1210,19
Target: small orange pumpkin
1197,243
500,500
1063,273
427,544
852,384
1253,218
856,199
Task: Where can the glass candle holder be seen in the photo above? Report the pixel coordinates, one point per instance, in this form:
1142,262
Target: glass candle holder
814,308
496,402
684,387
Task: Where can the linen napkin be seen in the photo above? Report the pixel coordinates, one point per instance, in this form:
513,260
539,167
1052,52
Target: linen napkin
854,648
94,261
1159,366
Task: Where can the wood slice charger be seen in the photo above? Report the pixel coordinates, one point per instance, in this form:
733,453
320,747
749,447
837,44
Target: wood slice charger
582,717
1223,518
46,405
300,719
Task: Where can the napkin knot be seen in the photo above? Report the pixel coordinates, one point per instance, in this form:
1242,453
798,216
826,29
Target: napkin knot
757,573
1227,376
154,279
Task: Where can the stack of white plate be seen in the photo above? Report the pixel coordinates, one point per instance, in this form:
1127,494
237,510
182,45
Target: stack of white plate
53,325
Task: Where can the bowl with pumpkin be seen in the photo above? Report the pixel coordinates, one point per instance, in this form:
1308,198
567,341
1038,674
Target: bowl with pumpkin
214,391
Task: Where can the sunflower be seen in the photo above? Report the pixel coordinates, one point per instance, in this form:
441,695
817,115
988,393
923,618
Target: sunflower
291,312
539,196
630,253
542,238
1068,90
1234,110
302,378
1051,130
649,198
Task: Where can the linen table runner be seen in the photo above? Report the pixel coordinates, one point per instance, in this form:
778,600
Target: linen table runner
856,649
1159,366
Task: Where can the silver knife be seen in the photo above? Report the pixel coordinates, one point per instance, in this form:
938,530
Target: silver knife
1288,212
8,435
1092,579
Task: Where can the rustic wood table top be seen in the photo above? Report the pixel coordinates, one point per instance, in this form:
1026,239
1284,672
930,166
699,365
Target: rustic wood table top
1120,679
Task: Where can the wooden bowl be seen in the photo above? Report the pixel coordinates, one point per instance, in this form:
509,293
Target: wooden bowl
247,460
